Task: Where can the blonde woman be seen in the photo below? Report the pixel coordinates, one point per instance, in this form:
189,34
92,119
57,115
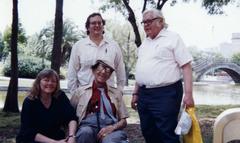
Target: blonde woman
45,111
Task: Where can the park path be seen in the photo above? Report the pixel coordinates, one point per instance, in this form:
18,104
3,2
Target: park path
24,84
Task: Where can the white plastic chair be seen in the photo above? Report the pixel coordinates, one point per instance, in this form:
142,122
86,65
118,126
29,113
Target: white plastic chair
227,126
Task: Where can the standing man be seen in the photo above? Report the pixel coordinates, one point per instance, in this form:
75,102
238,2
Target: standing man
162,60
86,51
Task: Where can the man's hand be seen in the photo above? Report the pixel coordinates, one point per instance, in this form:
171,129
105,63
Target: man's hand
134,101
188,100
105,131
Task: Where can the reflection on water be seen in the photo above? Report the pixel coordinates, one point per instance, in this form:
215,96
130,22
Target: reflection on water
204,93
21,97
213,93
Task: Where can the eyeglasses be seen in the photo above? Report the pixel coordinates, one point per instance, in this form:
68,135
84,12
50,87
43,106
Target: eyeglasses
102,67
149,21
96,23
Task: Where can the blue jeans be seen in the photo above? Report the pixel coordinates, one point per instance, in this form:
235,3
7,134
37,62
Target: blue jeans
88,130
158,110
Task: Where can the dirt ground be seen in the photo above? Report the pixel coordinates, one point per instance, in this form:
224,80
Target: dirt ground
133,130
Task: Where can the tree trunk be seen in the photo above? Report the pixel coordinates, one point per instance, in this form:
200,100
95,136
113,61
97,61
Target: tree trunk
132,20
127,69
11,102
58,30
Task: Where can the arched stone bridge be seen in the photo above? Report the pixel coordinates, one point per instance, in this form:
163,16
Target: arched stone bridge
203,66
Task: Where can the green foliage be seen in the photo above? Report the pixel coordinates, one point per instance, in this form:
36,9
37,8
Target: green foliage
124,36
1,47
22,39
117,5
40,44
216,6
29,67
208,56
236,58
218,56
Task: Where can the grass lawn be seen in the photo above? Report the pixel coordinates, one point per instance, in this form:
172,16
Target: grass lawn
9,123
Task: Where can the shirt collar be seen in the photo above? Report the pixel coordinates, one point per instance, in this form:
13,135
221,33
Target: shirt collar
90,42
162,33
108,87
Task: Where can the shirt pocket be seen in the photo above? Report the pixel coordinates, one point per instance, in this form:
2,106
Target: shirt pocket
163,51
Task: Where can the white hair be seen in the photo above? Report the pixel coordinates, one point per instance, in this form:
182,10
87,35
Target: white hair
157,13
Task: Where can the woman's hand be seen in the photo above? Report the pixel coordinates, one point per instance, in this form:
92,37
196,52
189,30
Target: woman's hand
41,138
71,140
105,131
60,141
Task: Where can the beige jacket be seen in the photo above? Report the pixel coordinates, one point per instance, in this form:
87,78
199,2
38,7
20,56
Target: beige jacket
83,94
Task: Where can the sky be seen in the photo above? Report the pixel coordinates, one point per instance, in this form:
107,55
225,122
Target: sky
190,20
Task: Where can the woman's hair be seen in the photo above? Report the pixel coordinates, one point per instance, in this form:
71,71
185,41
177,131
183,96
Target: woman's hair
87,24
35,91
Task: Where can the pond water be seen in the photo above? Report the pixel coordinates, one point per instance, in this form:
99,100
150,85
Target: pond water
203,92
216,94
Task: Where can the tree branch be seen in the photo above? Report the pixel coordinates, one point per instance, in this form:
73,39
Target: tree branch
160,4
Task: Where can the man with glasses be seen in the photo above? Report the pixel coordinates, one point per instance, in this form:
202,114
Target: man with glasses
85,52
162,61
100,108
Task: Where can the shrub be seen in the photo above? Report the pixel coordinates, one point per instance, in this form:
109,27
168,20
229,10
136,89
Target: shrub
28,67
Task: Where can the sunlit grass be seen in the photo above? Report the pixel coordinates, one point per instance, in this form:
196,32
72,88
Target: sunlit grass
11,121
209,111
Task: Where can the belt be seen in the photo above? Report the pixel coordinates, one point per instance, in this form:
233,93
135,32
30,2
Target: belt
156,86
160,85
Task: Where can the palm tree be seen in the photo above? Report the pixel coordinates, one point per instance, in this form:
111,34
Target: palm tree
11,102
57,41
71,34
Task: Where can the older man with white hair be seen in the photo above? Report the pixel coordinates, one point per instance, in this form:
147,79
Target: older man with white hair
162,61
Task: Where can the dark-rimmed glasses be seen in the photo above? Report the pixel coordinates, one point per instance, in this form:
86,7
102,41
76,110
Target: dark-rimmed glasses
102,67
96,23
149,21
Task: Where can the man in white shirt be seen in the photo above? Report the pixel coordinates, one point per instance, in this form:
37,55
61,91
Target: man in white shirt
162,60
86,51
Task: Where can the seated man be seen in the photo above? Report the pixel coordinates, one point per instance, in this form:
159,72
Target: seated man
101,111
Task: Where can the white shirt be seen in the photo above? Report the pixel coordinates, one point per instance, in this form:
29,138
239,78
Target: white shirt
160,59
85,53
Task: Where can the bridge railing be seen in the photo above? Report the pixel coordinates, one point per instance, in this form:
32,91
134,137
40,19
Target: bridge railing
201,64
